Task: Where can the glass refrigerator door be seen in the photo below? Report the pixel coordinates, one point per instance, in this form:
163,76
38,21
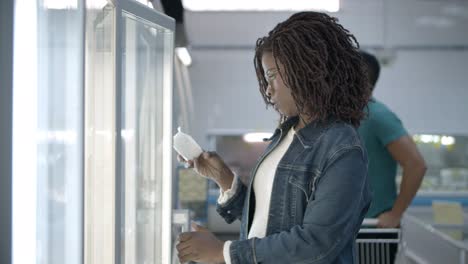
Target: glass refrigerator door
47,132
129,54
92,132
146,49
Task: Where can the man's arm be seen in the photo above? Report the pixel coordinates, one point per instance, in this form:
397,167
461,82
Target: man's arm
405,152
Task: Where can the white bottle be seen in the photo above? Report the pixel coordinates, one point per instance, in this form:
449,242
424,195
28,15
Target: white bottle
186,146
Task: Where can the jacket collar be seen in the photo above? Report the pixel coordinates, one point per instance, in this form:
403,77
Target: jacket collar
285,126
308,134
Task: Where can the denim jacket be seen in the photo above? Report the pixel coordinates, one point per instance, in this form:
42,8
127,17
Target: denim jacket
319,198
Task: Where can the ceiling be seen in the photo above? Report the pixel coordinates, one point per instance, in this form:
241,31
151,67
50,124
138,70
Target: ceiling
406,24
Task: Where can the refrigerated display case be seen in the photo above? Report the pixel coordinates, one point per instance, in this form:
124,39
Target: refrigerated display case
146,151
47,133
427,242
446,178
129,121
92,132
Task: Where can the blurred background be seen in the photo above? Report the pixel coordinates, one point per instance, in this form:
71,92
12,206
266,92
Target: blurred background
93,90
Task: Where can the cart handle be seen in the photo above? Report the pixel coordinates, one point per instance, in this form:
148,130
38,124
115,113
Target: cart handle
370,222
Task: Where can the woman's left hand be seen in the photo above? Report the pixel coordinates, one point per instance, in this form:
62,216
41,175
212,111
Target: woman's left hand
200,246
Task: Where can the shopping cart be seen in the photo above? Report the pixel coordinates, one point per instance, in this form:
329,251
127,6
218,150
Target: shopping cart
377,245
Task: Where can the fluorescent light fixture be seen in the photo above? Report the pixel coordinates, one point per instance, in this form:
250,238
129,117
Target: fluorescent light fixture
444,140
426,138
184,55
447,140
25,124
256,137
262,5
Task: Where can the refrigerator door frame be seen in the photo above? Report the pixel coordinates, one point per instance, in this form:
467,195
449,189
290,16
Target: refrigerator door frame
144,12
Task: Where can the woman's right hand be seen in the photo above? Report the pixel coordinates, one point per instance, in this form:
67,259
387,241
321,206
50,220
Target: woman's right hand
210,165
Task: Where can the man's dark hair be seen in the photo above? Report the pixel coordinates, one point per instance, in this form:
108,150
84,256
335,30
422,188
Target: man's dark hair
373,67
322,66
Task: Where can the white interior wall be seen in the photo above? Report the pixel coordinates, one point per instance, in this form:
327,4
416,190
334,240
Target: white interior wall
373,22
426,84
226,94
427,89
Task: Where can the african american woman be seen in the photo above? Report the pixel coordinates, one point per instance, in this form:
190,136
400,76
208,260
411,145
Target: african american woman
308,194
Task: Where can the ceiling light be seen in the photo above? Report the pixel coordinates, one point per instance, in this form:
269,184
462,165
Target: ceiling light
447,140
184,55
262,5
426,138
256,137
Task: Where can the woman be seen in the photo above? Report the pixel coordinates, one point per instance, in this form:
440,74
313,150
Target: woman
308,194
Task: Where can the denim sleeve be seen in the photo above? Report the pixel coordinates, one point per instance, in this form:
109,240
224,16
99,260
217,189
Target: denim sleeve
331,219
232,209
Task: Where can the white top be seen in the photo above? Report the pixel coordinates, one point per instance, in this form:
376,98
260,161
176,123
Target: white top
263,186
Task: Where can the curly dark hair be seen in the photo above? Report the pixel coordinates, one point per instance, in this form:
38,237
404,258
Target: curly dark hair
322,67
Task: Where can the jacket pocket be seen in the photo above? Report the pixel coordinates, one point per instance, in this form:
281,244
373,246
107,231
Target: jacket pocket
303,179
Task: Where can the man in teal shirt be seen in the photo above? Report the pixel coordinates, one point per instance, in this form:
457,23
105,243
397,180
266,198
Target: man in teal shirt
388,144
